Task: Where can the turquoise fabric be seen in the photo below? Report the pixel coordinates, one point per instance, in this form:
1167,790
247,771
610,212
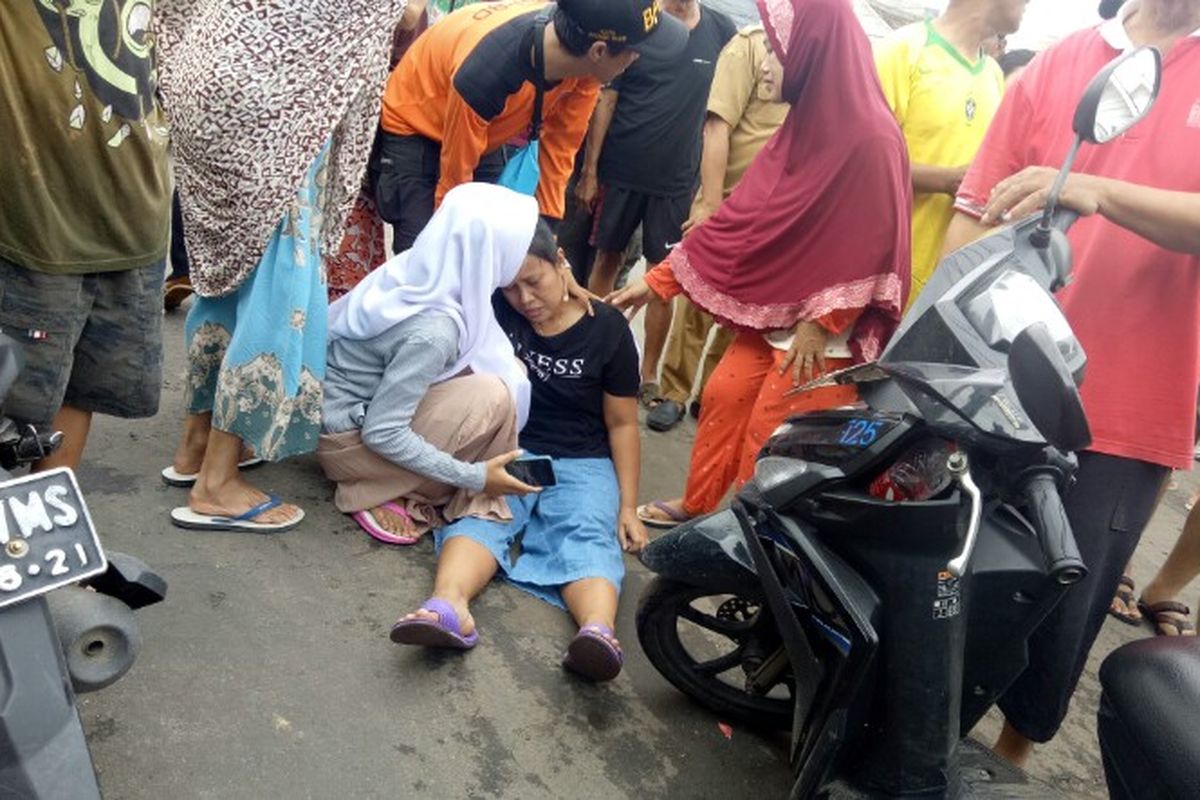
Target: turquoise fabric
521,173
256,357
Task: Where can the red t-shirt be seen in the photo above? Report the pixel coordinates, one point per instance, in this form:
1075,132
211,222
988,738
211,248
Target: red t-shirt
1134,305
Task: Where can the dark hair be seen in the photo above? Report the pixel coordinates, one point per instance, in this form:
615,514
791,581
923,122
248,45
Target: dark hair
544,245
1014,60
575,39
1109,8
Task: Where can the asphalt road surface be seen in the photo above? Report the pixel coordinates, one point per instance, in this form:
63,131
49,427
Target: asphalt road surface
268,673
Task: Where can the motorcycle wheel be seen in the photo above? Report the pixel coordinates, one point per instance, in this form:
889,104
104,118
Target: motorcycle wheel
668,605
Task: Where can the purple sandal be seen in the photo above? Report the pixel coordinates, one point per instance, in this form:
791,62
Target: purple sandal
594,654
446,631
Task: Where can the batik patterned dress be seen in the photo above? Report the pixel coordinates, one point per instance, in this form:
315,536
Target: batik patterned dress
256,358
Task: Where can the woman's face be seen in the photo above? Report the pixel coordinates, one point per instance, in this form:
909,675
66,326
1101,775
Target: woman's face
538,291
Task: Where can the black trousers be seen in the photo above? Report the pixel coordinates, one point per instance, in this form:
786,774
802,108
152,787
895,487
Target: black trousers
405,172
180,266
1108,507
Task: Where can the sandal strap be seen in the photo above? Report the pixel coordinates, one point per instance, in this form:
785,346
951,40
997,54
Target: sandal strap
397,509
271,502
672,514
1167,607
447,616
602,630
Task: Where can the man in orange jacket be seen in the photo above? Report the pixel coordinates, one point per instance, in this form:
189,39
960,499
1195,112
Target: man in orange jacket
467,86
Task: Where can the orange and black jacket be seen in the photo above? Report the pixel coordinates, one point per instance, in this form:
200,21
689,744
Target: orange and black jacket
466,83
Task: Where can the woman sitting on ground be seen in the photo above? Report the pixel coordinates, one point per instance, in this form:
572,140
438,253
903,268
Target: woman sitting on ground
584,371
423,393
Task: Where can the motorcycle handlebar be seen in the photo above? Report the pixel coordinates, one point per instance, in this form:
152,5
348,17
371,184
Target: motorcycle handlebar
1045,510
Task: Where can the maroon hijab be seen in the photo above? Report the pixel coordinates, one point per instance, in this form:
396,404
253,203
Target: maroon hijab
821,220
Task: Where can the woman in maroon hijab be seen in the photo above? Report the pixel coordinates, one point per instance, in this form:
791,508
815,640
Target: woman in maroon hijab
808,259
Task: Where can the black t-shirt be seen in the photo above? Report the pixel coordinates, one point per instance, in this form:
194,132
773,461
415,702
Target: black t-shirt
499,66
653,144
570,373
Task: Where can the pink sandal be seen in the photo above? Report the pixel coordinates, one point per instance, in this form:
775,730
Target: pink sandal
366,520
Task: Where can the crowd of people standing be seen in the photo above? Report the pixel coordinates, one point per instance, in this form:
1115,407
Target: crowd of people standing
794,189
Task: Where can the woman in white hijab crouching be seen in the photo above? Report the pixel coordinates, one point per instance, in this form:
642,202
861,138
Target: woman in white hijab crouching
424,395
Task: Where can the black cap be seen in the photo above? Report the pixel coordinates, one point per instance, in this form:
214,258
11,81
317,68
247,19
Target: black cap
1109,8
640,25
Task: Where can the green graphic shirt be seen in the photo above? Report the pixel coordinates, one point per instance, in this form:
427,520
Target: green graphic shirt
436,9
84,184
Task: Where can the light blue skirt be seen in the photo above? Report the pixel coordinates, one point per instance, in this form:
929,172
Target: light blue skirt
256,357
568,532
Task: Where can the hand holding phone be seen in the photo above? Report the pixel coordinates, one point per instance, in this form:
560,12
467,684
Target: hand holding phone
533,470
500,483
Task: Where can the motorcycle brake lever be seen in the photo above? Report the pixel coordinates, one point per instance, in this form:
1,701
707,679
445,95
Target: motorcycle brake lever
960,470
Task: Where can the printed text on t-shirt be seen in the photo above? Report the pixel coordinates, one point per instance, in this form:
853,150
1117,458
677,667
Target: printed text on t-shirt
545,367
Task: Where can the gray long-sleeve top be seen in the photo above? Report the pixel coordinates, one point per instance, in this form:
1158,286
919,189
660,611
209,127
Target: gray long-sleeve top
376,385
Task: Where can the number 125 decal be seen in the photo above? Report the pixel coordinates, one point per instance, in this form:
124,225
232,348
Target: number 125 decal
861,432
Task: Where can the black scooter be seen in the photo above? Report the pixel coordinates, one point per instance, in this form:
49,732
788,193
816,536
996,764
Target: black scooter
873,587
66,615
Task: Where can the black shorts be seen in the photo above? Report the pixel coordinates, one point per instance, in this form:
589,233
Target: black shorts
621,210
1109,507
404,174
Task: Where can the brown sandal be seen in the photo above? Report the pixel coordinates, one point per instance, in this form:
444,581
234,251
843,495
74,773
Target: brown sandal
1157,614
1124,594
649,395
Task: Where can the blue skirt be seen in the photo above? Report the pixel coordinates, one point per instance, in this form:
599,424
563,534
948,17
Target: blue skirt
568,531
256,357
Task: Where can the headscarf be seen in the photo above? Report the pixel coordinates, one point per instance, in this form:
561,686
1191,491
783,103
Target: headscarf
254,90
474,244
820,222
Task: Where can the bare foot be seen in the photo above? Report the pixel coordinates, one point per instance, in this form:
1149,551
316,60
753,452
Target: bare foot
393,523
1123,606
189,456
235,498
1013,747
465,620
652,512
1168,616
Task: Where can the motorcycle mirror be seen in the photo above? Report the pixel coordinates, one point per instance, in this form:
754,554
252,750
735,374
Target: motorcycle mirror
1118,97
1046,389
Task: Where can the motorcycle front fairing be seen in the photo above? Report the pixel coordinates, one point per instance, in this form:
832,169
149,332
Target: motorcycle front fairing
708,552
828,618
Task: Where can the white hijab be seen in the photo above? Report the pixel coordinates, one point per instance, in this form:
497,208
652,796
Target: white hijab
474,244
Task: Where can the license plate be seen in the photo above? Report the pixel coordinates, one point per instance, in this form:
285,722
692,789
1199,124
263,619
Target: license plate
47,538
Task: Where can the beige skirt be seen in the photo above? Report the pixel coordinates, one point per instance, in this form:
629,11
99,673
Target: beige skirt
471,418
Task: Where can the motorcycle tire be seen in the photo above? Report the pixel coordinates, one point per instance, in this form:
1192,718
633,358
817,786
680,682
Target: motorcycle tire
99,634
658,616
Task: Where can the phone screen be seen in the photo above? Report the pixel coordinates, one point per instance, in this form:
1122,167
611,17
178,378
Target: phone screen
537,471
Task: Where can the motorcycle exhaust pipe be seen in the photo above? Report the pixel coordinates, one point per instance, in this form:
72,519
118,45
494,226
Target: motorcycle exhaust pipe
99,635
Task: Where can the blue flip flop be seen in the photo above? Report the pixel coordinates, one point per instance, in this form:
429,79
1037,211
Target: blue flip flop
184,517
445,631
595,654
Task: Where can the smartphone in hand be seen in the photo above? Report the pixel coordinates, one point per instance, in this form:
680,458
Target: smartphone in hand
533,470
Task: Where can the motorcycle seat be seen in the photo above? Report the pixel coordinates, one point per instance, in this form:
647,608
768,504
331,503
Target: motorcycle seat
1149,705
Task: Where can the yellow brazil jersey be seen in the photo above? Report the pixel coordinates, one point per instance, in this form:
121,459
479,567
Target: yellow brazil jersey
944,104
